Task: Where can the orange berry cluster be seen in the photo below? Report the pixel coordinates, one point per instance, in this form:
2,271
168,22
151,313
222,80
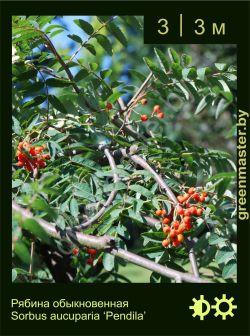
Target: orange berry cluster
179,220
35,160
156,109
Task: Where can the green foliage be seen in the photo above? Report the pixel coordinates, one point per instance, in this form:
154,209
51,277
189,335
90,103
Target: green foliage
68,113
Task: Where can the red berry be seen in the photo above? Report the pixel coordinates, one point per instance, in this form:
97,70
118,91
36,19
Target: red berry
166,229
205,194
181,228
175,224
166,221
191,190
187,212
180,211
46,157
26,145
186,197
90,261
40,163
20,145
180,199
109,106
21,156
176,243
192,210
160,115
32,151
172,234
163,212
165,243
144,101
180,238
20,163
196,196
158,212
144,117
188,226
157,108
199,212
91,251
187,219
202,198
75,251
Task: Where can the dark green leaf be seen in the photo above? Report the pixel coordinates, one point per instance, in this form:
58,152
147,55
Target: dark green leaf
116,31
157,72
90,48
33,226
22,252
113,98
205,101
154,236
229,269
84,194
55,82
189,73
186,60
105,73
56,32
42,205
162,59
215,239
75,38
56,103
83,73
85,26
224,255
143,191
223,175
85,162
38,100
105,43
114,186
174,57
177,70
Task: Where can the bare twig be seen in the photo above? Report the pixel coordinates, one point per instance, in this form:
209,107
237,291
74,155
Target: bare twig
108,244
140,90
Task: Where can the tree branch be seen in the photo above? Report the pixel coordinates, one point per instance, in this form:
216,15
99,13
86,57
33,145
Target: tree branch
90,37
108,244
141,162
111,197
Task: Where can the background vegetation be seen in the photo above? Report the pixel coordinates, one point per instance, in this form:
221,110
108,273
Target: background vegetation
65,71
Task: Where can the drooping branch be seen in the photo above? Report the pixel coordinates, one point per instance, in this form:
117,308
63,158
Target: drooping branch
107,243
141,162
111,197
